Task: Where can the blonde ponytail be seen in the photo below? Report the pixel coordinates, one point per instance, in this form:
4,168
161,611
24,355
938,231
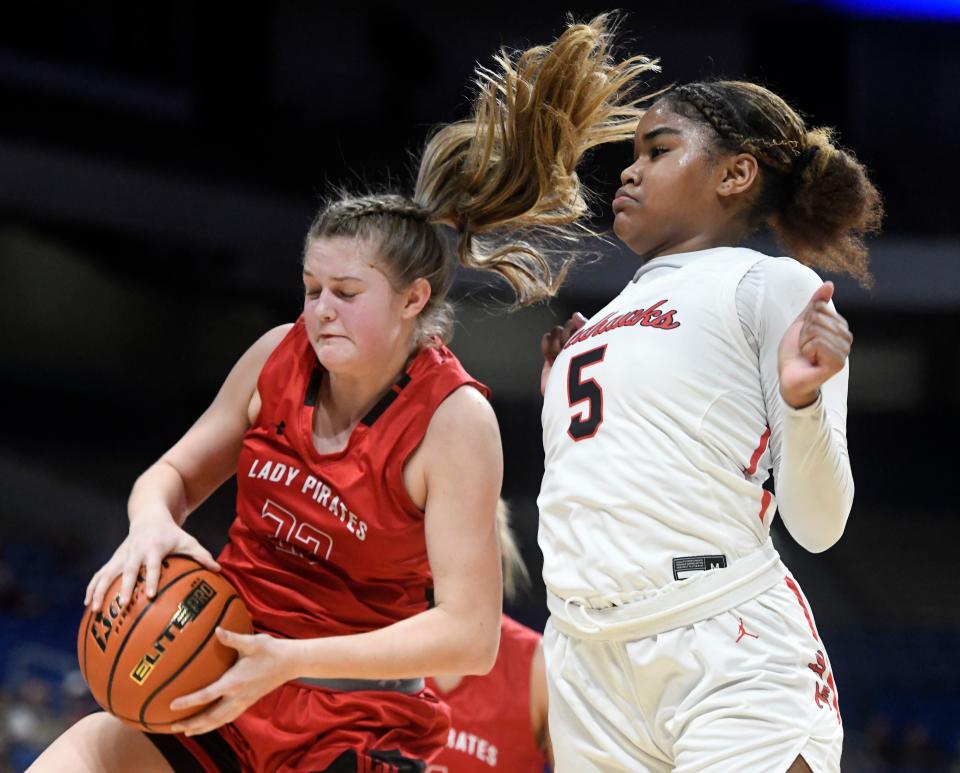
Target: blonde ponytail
506,178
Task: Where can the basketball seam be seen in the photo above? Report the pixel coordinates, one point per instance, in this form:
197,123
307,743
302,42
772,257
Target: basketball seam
86,636
196,651
123,644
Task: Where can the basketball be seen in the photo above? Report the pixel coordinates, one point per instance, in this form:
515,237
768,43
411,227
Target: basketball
136,660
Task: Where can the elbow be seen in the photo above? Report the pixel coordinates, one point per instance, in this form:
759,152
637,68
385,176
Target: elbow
826,535
817,524
483,664
820,542
483,652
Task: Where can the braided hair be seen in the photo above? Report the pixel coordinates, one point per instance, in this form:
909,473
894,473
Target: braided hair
406,244
505,178
815,196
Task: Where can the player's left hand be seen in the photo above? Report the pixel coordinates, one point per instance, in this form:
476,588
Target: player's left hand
813,348
259,669
553,342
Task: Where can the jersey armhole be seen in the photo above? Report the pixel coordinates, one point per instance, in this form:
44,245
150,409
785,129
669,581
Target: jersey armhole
268,364
396,467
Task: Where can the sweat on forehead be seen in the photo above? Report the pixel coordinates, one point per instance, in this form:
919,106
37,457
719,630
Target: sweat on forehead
662,121
674,104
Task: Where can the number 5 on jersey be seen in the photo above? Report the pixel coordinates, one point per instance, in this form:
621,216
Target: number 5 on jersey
585,424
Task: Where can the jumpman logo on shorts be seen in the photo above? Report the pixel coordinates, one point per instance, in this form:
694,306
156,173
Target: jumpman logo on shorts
744,632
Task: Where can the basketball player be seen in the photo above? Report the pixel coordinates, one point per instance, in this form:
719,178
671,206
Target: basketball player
368,461
499,721
678,641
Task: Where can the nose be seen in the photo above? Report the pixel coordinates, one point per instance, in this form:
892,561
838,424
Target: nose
323,308
633,174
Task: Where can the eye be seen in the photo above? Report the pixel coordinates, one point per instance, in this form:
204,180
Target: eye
658,150
311,293
346,295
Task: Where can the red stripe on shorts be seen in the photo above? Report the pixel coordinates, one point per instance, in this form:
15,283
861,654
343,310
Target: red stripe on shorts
806,613
836,696
803,605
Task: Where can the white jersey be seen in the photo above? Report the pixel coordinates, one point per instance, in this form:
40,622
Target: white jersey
656,437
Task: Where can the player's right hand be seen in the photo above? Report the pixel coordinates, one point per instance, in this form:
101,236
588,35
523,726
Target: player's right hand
152,537
553,342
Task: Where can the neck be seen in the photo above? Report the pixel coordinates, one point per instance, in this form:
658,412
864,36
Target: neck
729,236
347,398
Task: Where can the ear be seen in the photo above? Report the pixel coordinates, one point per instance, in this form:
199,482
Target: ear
415,297
739,173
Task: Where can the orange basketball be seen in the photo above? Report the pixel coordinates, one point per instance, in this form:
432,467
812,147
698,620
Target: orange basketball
136,660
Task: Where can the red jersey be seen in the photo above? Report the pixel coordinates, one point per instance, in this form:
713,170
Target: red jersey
490,726
329,544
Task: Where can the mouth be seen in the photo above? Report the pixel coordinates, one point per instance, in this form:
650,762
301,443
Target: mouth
622,200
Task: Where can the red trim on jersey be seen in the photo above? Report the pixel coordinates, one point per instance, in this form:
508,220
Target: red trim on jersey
764,503
758,452
803,605
326,544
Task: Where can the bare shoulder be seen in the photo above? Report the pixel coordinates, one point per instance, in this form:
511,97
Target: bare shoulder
251,361
263,347
463,430
463,408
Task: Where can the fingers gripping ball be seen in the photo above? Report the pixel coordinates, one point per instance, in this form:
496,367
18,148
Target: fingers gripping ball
137,659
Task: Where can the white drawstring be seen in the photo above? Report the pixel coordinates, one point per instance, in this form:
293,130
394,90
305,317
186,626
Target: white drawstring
616,621
581,603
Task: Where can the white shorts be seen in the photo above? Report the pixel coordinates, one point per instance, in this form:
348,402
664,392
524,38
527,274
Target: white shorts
747,690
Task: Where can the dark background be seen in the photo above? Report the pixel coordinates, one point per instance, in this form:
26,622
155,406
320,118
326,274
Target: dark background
161,161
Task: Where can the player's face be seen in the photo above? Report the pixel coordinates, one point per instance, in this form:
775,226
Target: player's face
668,193
354,317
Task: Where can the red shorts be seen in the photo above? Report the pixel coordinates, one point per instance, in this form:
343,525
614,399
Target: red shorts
300,727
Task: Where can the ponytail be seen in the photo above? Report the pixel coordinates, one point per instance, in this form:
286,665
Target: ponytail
506,178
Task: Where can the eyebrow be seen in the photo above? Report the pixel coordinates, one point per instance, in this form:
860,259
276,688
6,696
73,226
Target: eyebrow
344,278
660,130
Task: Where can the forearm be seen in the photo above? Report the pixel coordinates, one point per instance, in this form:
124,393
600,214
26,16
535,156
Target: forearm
432,643
158,491
809,445
815,483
